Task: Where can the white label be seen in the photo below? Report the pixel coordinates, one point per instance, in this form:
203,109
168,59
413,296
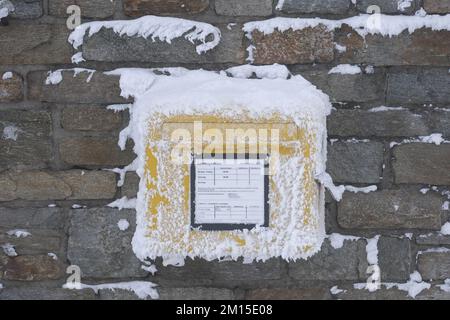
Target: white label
229,191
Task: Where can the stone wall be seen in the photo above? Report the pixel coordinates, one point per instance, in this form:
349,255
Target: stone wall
56,140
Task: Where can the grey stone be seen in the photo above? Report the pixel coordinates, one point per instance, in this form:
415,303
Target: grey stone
288,294
439,121
347,88
346,263
90,118
99,247
394,259
355,162
106,45
29,218
387,6
422,163
390,209
418,85
434,265
435,239
8,189
422,47
164,7
25,139
33,268
434,293
37,292
89,8
40,241
94,151
260,8
88,185
11,90
101,89
436,6
363,294
39,44
131,185
198,293
316,6
27,9
360,123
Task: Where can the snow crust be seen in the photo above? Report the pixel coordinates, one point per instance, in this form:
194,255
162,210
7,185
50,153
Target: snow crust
337,240
123,224
7,75
445,230
18,233
345,69
123,203
10,132
55,77
143,289
446,286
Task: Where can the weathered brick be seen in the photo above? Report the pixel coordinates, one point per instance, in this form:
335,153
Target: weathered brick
94,151
99,247
33,268
101,89
418,85
25,139
164,7
394,259
437,6
89,8
260,8
11,89
41,241
289,294
37,218
39,44
106,45
38,292
355,162
422,47
346,263
422,163
434,265
390,209
131,185
387,6
90,118
346,88
292,47
27,9
63,185
316,6
360,123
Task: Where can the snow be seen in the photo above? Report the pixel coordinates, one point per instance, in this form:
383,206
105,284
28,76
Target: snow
55,77
6,7
143,289
18,233
369,70
337,240
446,286
9,250
363,190
372,250
52,205
123,224
157,28
118,107
336,290
123,203
414,286
77,206
275,71
1,286
172,91
326,180
404,4
10,133
435,138
384,108
340,48
446,206
78,58
424,190
409,235
363,24
7,75
52,255
345,69
151,269
445,230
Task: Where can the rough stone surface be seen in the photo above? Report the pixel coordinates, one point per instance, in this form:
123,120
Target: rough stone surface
101,88
39,44
314,6
27,9
164,7
258,8
131,185
90,118
99,247
394,259
346,263
434,265
25,139
89,8
355,162
11,89
422,163
291,47
40,242
437,6
390,209
45,293
108,46
289,294
436,239
387,6
199,293
418,85
33,218
33,268
382,294
360,123
422,47
90,151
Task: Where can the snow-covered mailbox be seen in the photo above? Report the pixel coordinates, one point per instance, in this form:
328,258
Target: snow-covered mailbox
228,163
